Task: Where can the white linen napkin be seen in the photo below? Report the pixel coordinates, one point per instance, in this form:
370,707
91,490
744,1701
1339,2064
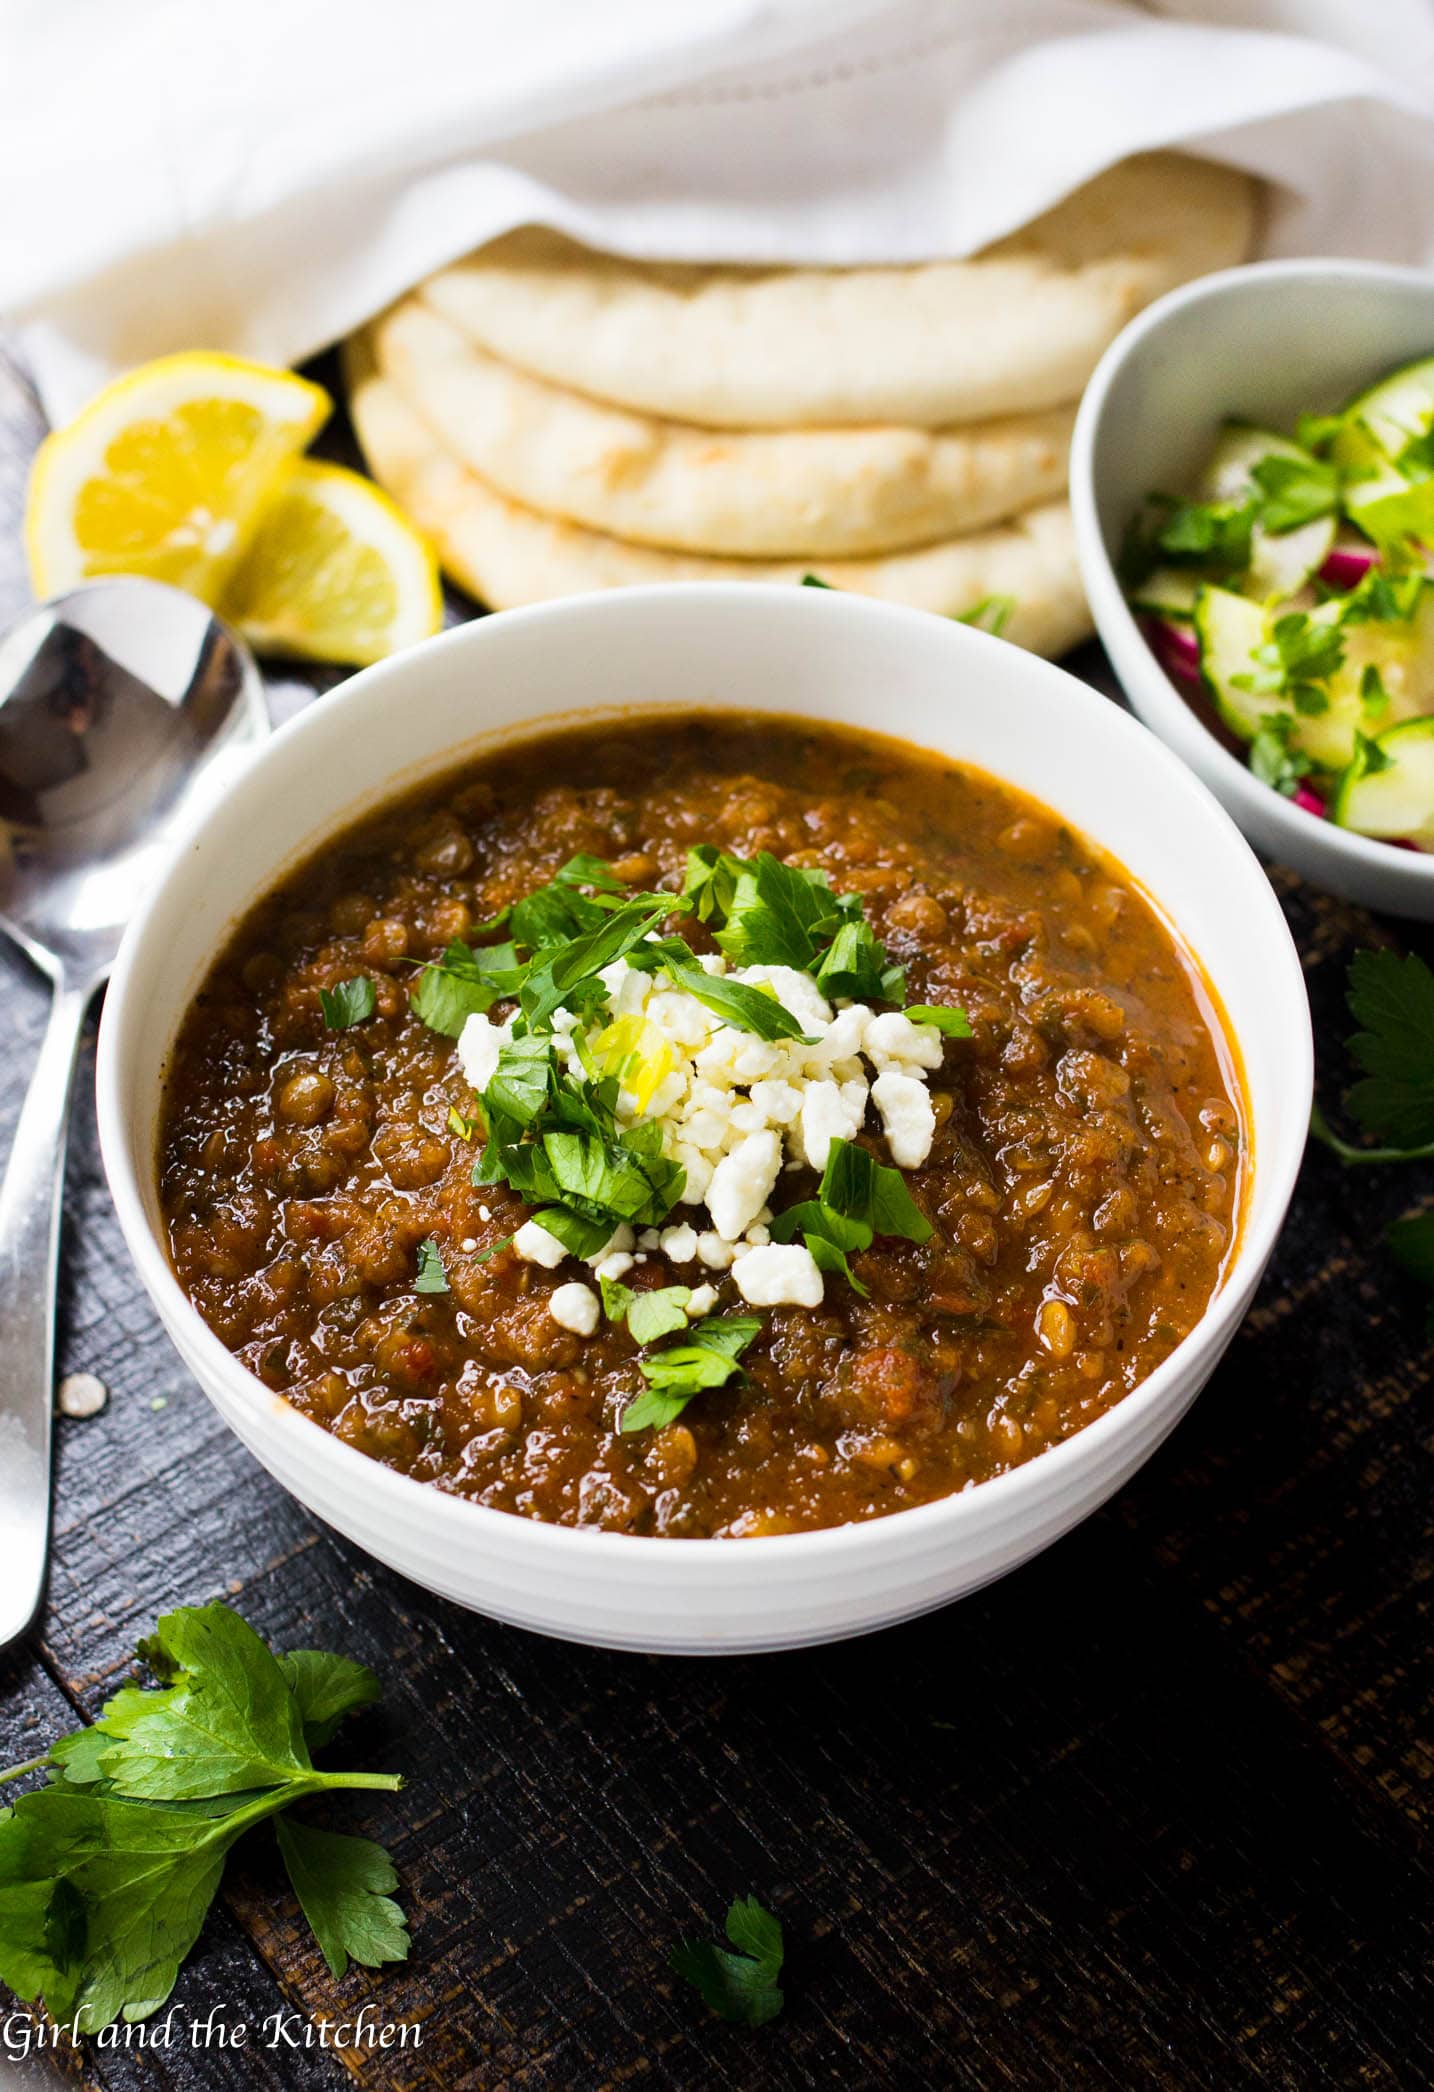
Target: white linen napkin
261,177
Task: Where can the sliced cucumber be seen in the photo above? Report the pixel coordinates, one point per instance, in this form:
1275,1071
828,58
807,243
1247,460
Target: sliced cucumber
1398,409
1390,793
1280,565
1168,592
1238,450
1229,628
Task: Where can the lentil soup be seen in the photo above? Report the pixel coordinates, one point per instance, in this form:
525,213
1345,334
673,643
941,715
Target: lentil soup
1080,1167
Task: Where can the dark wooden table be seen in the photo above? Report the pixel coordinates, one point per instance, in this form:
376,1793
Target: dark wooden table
1155,1811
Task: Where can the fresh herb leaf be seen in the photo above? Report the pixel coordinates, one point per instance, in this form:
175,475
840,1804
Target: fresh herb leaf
584,870
648,1315
1294,491
1373,696
708,1358
739,1986
1302,651
617,1177
991,614
326,1687
814,581
351,1002
710,880
464,983
857,1186
953,1022
432,1278
744,1007
855,968
829,1236
779,916
553,981
1313,432
1273,757
1392,999
107,1874
580,1233
518,1086
345,1889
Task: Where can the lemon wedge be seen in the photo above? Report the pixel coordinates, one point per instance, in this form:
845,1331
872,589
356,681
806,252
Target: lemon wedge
166,473
335,572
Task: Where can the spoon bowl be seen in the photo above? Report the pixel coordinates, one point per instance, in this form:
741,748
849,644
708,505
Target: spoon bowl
125,710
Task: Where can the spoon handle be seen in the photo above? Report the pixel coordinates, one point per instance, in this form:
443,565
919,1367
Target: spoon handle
29,1257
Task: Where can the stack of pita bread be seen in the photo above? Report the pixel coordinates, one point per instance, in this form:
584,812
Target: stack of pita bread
557,419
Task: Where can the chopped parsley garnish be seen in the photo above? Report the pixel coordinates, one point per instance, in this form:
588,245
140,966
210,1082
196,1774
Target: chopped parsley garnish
432,1278
858,1199
955,1023
351,1002
1294,491
1299,655
740,1985
708,1356
649,1315
109,1871
1273,757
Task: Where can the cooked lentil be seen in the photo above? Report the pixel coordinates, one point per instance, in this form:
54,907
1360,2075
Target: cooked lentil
1084,1182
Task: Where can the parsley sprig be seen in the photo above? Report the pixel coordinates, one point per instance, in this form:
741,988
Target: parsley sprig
107,1872
741,1984
1392,1000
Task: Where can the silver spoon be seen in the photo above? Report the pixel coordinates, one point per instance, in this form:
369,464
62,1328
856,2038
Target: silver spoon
124,708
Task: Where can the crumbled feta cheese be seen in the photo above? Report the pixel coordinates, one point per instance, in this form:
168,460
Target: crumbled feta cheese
757,1235
797,992
699,1174
741,1182
649,1238
704,1299
908,1117
468,1245
830,1111
680,1017
575,1307
714,1252
679,1245
484,1213
615,1266
536,1246
778,1102
479,1044
779,1273
843,1036
893,1041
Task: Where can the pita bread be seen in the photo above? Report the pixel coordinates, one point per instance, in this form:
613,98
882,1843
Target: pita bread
1015,328
506,555
800,493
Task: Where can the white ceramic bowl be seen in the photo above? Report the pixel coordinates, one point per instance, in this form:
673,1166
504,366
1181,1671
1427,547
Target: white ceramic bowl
827,656
1266,343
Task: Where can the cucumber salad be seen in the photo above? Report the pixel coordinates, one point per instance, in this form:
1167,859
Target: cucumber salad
1292,591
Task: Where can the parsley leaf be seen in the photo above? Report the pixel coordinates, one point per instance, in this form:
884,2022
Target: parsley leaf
1274,760
648,1315
344,1886
464,983
737,1003
432,1278
857,1186
709,1357
779,916
518,1087
1392,999
740,1986
349,1003
855,967
953,1022
326,1687
829,1237
106,1875
1301,652
1294,491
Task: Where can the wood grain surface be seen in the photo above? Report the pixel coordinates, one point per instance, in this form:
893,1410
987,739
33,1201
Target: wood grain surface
1155,1811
